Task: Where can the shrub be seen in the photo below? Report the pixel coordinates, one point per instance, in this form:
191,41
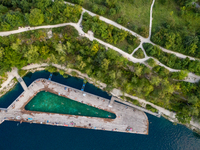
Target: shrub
149,107
112,11
51,69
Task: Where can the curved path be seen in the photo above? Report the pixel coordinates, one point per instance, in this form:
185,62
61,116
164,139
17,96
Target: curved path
191,77
129,56
150,25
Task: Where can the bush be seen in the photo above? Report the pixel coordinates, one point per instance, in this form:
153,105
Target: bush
119,20
149,107
74,73
95,8
180,75
51,69
151,62
102,10
65,76
112,11
133,101
62,72
139,54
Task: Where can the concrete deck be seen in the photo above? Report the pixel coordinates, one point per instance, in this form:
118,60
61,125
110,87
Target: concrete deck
127,117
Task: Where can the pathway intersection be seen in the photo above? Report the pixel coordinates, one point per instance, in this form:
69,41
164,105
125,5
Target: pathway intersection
191,77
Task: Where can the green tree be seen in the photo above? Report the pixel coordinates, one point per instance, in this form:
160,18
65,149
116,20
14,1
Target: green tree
193,99
32,54
155,80
111,3
3,9
102,10
183,116
151,62
62,72
1,53
95,8
35,17
105,64
112,11
60,49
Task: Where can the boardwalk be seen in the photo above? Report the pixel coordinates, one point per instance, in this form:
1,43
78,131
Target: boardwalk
127,117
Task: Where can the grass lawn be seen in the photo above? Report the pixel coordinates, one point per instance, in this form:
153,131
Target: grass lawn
139,54
127,47
169,14
136,12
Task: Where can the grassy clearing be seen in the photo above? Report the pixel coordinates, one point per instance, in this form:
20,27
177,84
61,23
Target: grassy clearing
139,54
176,27
134,14
125,46
169,13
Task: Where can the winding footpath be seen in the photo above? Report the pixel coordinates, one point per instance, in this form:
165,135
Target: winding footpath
191,77
151,18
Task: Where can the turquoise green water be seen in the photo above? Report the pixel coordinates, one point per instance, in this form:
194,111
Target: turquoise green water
52,103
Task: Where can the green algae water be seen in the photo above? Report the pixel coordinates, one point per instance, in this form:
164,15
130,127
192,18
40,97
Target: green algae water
52,103
163,135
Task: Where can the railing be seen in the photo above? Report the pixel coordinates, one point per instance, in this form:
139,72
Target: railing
137,107
3,109
98,97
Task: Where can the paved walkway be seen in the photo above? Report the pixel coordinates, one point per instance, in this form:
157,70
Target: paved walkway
115,99
151,18
191,77
115,92
126,117
164,111
11,75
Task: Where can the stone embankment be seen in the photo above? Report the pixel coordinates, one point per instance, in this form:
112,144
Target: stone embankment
127,119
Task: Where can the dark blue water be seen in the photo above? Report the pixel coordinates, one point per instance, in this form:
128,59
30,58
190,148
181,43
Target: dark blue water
90,88
9,97
163,135
74,82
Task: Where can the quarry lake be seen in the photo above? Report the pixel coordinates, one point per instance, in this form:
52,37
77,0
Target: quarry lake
163,135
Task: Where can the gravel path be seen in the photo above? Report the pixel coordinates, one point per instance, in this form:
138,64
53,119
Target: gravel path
191,77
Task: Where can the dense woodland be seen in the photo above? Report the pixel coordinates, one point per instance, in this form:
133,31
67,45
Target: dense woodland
108,66
158,85
172,60
178,27
109,33
176,23
18,13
